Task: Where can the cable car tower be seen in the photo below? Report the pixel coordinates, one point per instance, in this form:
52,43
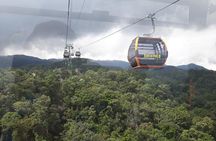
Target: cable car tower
69,50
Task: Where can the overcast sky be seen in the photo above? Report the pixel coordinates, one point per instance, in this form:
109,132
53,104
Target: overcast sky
193,44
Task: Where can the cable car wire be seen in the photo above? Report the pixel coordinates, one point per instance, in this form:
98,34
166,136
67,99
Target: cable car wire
68,20
159,10
132,24
78,53
80,12
115,32
81,9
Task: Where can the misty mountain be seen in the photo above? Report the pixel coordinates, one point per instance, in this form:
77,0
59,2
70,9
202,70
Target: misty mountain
18,61
113,63
191,67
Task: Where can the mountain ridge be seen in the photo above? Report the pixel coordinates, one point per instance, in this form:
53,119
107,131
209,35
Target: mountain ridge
191,66
17,61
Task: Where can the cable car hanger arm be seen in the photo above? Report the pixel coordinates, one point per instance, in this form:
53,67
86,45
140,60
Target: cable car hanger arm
151,16
159,10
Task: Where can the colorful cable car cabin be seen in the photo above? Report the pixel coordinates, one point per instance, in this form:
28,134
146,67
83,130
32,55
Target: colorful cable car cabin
147,53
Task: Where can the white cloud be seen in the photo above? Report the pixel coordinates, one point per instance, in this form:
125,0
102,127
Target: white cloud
192,46
45,49
185,46
112,48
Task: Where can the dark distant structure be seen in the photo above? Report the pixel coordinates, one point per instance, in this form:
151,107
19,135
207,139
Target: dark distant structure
198,13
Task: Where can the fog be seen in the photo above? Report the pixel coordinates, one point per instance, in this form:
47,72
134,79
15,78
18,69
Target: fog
186,45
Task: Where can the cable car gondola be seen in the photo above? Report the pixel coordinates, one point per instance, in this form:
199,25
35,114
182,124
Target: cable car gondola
66,54
78,54
147,53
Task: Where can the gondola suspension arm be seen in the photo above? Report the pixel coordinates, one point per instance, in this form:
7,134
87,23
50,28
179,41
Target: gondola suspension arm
151,16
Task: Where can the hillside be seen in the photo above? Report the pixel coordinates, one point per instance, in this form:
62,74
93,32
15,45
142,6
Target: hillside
19,61
191,67
79,102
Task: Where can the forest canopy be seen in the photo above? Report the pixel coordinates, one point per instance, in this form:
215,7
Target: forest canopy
103,104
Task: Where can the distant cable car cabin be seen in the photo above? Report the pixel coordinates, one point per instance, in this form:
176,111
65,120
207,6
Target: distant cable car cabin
78,54
147,53
66,54
69,51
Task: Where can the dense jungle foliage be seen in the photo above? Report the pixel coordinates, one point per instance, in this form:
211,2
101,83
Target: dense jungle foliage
101,104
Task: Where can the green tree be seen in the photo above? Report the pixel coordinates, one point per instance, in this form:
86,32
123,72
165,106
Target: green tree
195,135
